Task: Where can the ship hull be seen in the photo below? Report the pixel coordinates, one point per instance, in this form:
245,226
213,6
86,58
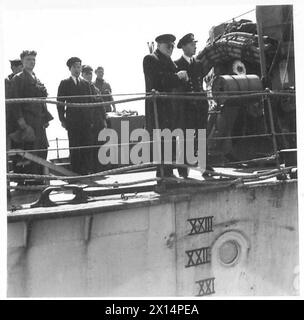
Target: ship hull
219,242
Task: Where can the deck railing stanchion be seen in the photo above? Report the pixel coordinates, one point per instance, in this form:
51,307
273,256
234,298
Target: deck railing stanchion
159,144
273,132
265,81
57,147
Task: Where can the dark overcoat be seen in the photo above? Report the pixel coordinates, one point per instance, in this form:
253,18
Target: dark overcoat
160,74
195,112
36,115
23,85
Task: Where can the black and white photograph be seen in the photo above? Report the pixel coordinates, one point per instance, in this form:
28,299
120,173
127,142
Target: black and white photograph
149,149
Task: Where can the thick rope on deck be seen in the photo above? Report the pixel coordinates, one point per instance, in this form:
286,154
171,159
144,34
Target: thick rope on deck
139,166
99,185
72,178
252,176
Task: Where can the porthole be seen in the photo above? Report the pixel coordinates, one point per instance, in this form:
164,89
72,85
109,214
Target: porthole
229,252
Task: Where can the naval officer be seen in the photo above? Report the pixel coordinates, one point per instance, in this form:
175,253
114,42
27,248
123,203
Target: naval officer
162,75
194,113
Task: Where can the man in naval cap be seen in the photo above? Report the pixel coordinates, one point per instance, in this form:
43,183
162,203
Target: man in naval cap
162,75
194,113
77,121
16,67
98,116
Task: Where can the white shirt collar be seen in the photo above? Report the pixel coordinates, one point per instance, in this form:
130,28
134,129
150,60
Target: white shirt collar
188,59
74,79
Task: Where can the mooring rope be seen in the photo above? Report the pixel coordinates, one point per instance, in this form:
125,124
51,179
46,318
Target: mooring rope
99,185
72,178
232,180
134,167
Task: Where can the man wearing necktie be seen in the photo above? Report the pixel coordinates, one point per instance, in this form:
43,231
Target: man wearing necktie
77,120
193,113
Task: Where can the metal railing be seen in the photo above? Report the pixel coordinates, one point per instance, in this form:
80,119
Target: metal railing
154,96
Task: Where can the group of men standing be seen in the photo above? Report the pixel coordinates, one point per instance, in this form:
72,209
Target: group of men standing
185,75
83,123
26,121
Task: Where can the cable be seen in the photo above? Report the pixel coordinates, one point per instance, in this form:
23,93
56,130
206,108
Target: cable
75,105
98,96
19,151
232,19
157,95
288,50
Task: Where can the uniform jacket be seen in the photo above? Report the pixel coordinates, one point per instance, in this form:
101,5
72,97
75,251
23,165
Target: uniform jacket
80,116
99,112
23,85
160,74
195,113
193,70
104,88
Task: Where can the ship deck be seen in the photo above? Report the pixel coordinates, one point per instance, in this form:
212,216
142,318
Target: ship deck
19,205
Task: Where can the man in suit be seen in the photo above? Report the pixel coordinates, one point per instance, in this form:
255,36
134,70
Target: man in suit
29,117
193,113
78,121
162,75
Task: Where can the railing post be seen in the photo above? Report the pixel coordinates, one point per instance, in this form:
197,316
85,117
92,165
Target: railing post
158,135
273,132
46,171
57,147
265,81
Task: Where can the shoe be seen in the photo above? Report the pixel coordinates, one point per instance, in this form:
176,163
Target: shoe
207,174
183,172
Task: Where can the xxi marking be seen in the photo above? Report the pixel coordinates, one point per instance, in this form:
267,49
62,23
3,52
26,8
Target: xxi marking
206,287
